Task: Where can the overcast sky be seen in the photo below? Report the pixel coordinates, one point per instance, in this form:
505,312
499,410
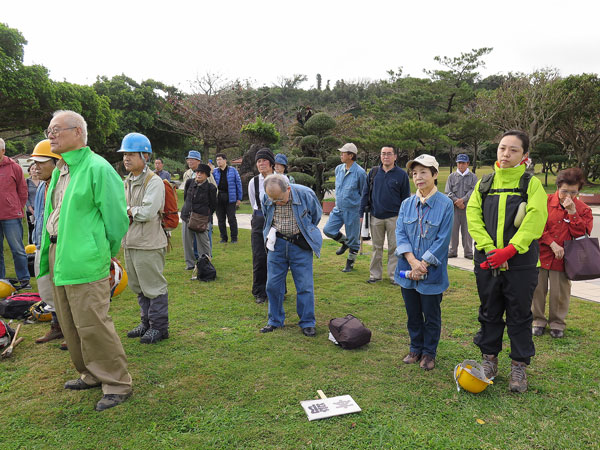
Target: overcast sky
176,41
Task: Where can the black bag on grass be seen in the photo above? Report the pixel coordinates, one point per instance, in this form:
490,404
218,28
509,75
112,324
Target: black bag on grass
349,332
17,305
205,271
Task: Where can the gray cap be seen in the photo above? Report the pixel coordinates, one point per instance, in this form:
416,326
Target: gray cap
349,148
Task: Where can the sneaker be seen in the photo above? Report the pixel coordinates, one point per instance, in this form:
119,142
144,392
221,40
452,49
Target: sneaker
152,336
80,385
234,241
260,300
538,331
24,285
138,331
557,334
412,358
373,280
222,241
518,377
111,400
490,366
64,346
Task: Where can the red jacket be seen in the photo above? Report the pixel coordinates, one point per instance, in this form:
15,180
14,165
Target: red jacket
562,227
13,190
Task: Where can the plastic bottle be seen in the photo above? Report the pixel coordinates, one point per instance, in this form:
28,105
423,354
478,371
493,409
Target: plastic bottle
406,274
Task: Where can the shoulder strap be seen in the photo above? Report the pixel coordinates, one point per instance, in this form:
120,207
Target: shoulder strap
485,185
257,192
372,175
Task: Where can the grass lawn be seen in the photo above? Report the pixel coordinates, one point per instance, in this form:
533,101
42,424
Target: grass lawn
218,383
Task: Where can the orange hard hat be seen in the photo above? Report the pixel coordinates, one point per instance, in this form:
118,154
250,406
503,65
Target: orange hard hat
42,152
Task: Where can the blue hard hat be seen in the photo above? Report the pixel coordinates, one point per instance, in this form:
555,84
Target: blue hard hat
462,158
280,158
135,142
194,154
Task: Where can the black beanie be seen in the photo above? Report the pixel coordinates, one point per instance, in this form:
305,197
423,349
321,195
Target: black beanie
265,153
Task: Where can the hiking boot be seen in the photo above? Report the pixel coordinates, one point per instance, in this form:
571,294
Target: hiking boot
349,265
490,366
111,400
427,362
152,336
342,249
518,377
412,358
53,333
537,331
80,385
138,331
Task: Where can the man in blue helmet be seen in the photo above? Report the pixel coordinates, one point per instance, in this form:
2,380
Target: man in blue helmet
145,243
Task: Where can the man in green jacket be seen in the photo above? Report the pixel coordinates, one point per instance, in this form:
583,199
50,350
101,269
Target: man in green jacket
85,219
506,214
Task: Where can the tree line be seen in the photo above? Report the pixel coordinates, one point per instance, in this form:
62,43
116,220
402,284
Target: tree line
450,110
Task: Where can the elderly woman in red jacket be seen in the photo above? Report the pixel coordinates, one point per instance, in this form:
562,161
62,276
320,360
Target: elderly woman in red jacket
568,218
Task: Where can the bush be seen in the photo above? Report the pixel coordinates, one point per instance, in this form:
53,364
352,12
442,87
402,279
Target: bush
319,124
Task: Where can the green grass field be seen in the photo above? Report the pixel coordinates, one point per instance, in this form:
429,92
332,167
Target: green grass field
218,383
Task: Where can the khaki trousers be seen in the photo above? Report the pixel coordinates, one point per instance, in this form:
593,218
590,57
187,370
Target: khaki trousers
560,296
379,229
45,284
94,345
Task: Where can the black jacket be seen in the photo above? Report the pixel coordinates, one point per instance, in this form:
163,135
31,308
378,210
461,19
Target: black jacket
201,199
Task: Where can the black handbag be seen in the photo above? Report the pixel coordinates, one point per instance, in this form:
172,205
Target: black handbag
349,332
582,258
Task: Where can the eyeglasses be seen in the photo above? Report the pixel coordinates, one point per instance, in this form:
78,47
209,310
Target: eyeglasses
386,154
56,131
571,193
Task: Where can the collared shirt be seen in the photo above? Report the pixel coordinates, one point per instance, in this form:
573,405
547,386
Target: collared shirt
460,185
261,191
284,220
164,175
431,193
462,174
57,197
384,192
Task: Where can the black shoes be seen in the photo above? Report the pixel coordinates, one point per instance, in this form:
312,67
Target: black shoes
373,280
342,249
234,241
222,241
24,285
138,331
111,400
260,300
80,385
152,336
268,328
349,266
557,334
309,331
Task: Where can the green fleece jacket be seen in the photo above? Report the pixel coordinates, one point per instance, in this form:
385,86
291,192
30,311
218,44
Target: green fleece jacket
93,220
499,232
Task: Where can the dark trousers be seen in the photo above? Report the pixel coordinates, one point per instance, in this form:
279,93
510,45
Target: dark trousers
259,256
510,291
424,321
227,210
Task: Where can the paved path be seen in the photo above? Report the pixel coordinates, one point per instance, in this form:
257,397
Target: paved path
587,290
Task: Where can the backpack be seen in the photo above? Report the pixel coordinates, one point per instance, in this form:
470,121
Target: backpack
349,332
6,334
485,186
205,271
17,305
169,213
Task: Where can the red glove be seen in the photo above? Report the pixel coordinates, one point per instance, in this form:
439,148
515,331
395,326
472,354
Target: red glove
499,256
485,265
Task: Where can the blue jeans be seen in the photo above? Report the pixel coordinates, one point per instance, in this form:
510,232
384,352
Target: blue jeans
424,322
351,220
300,262
12,229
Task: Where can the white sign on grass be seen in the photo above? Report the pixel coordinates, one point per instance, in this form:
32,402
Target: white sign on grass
329,407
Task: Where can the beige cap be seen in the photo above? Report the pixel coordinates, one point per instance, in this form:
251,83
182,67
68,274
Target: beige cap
349,148
424,160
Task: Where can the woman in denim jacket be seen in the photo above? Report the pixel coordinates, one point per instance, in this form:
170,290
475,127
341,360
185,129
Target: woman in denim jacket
422,236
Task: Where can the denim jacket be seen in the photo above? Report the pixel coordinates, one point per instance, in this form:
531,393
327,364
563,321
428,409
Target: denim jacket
427,239
38,213
349,187
307,212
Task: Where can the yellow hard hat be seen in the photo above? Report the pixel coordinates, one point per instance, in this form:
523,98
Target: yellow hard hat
42,151
6,288
470,376
118,278
38,312
30,249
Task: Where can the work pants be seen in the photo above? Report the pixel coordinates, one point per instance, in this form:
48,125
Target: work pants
351,221
560,296
299,261
460,224
511,291
379,229
95,347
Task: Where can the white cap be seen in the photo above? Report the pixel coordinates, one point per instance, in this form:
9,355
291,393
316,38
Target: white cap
424,160
349,148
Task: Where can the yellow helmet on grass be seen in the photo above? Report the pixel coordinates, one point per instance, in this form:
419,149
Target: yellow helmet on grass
470,376
6,289
39,313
